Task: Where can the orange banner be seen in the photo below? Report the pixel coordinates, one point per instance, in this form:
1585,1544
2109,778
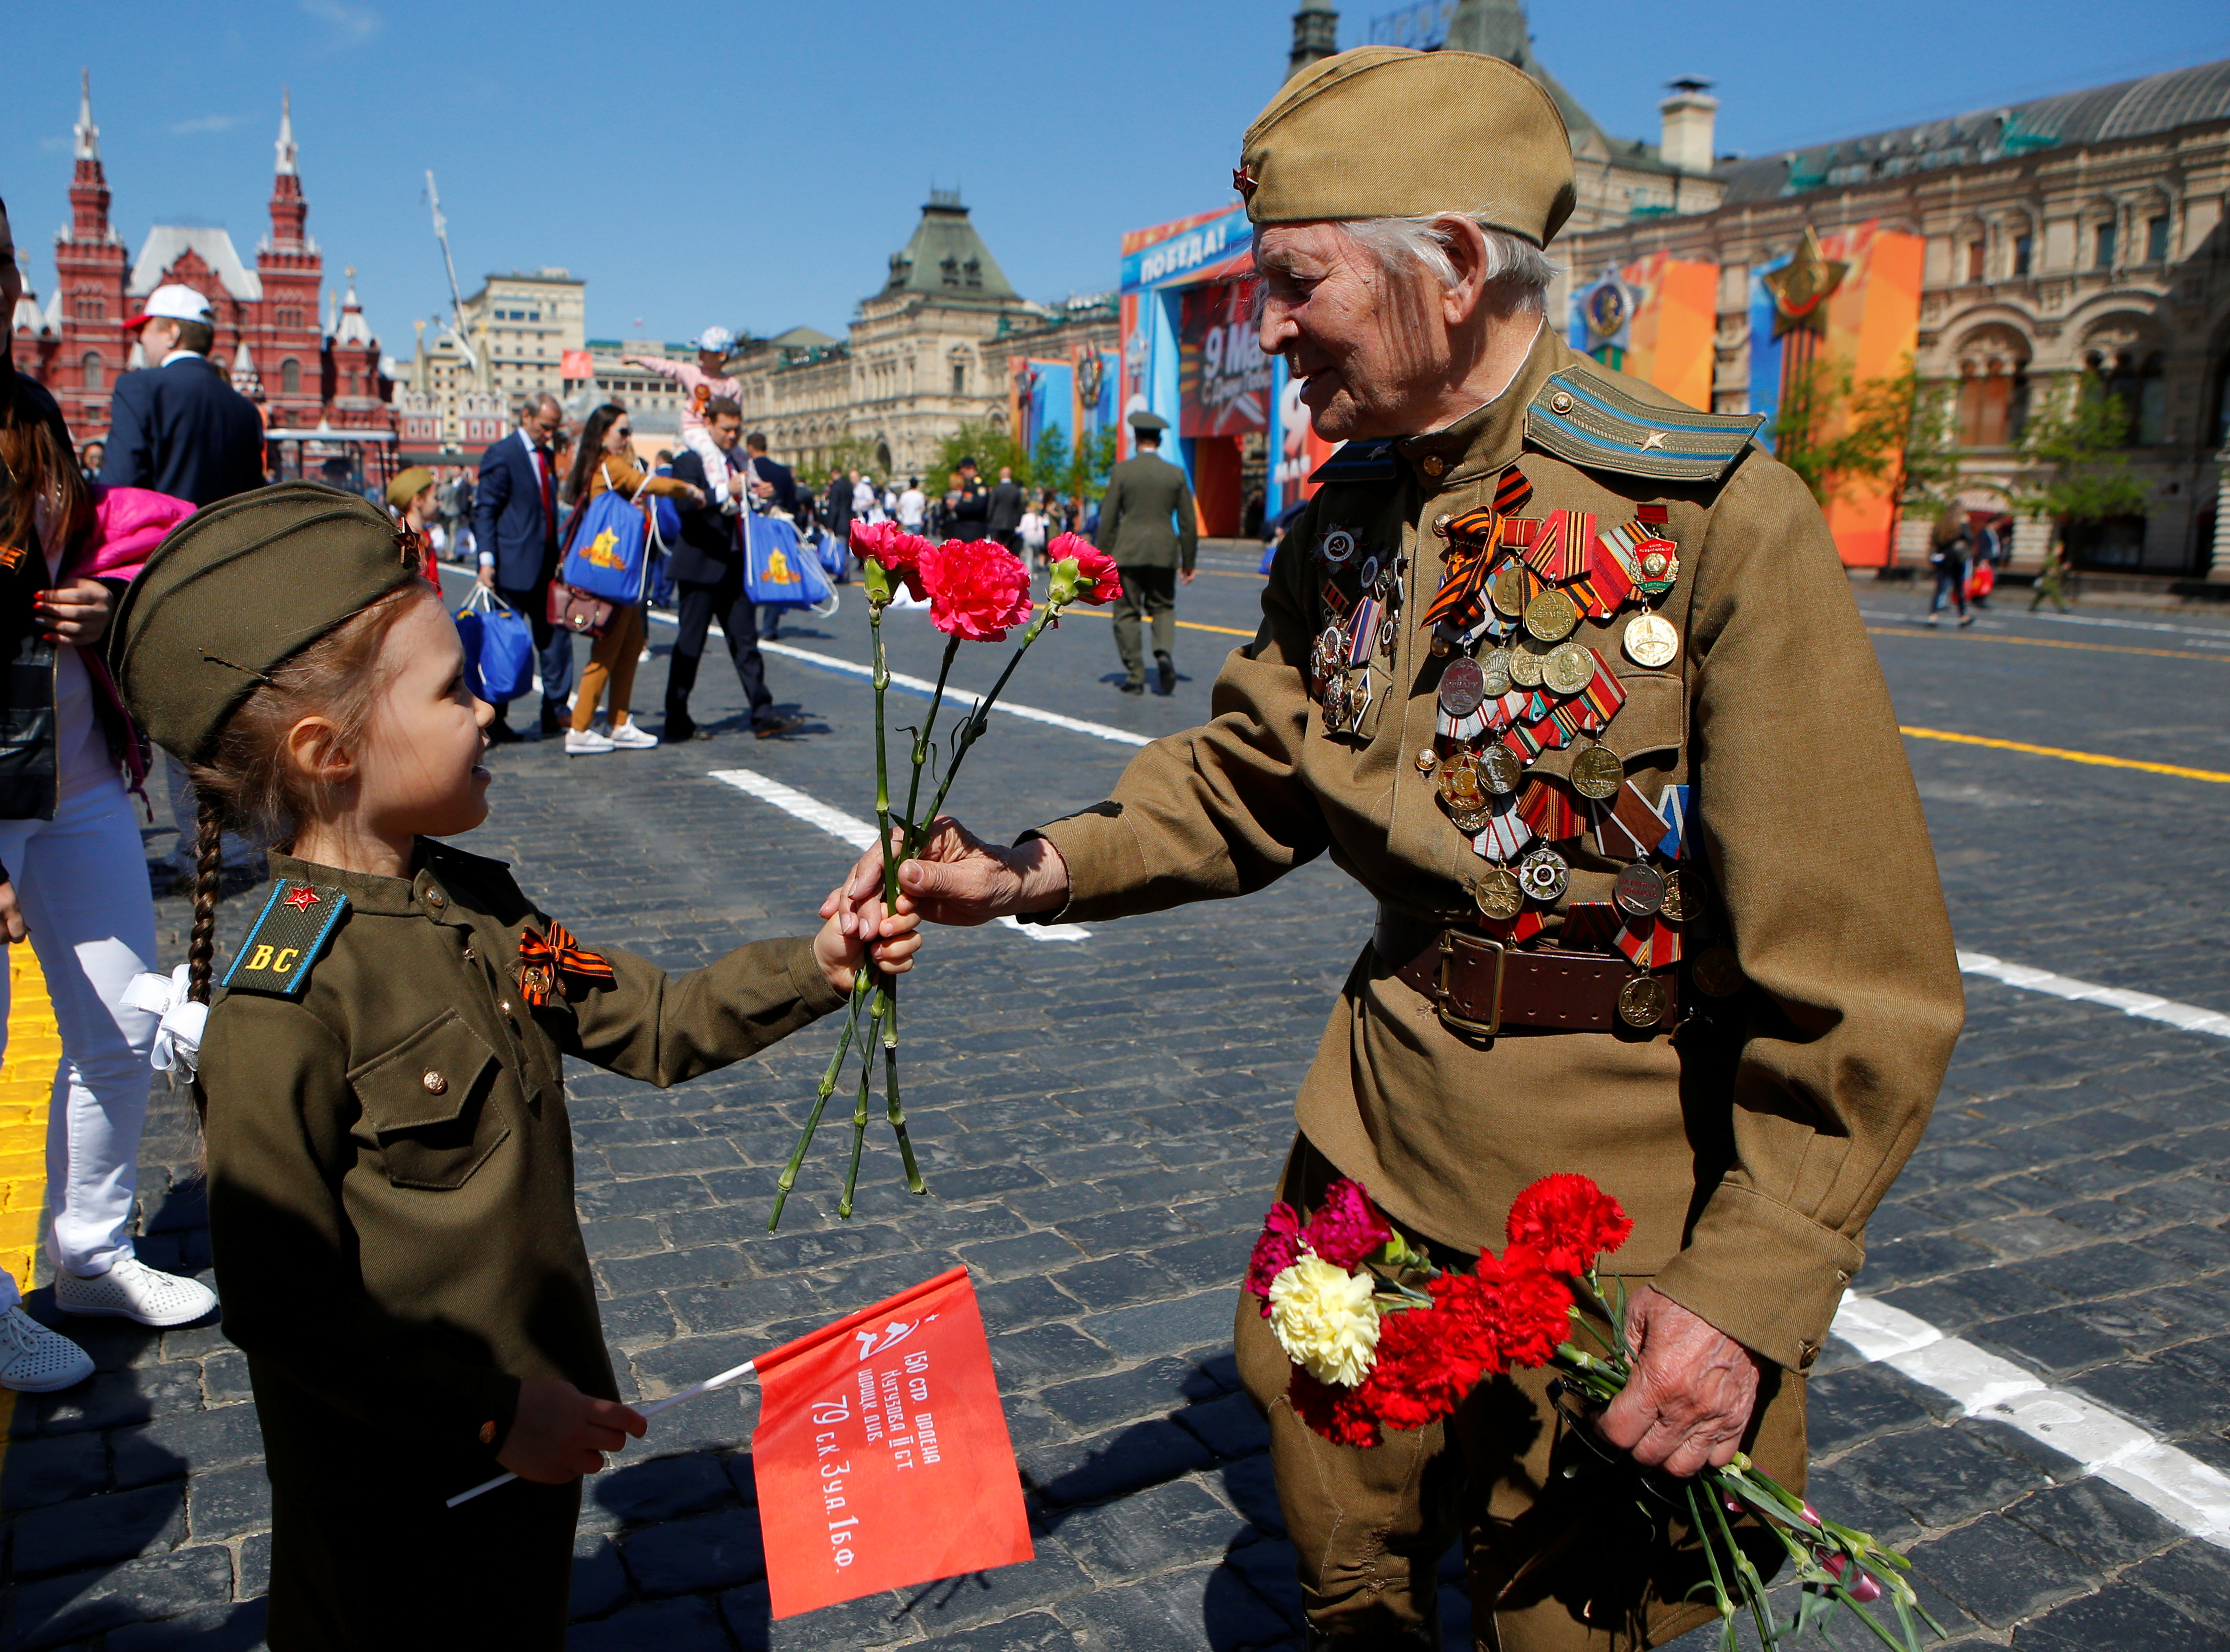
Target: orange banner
1873,324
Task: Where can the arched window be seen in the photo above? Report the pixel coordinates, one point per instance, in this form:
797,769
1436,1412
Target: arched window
2140,384
1993,403
290,377
90,365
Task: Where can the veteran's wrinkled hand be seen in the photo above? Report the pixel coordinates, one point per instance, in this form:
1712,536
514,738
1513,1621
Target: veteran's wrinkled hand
1691,1395
960,879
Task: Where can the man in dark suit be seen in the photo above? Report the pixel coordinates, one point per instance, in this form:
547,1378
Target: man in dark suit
179,427
1005,519
967,504
1143,493
515,524
836,508
708,573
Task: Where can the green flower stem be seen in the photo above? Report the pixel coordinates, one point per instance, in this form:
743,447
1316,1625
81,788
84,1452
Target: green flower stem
789,1177
860,1112
1725,1601
882,681
972,731
914,1183
921,741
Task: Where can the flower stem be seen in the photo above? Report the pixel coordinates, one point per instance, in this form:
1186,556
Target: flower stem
860,1112
914,828
789,1177
914,1183
972,730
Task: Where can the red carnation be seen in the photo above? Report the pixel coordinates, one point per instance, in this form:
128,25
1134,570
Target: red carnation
898,551
1096,580
1276,1250
977,590
1532,1306
1340,1415
1346,1227
1569,1221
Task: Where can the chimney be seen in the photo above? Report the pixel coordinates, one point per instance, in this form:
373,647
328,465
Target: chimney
1689,116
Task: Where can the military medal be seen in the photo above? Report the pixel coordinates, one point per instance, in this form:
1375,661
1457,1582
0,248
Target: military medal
1324,658
1525,668
1675,905
1500,895
1639,890
1641,1001
1498,769
1463,687
1459,785
1651,640
1494,670
1717,972
1659,562
1336,547
1597,773
1508,589
1544,873
1569,669
1551,617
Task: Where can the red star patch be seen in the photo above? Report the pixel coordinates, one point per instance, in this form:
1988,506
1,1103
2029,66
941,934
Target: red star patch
301,897
1245,181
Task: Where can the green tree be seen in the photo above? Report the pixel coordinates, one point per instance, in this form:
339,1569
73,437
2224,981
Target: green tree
1838,433
849,453
1049,464
2074,468
988,446
1088,466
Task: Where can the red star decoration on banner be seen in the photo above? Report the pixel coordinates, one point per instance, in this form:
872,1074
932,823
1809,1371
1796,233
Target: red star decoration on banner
301,898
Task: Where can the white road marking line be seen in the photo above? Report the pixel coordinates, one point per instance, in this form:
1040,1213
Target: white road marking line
860,834
2189,1016
2171,1482
961,696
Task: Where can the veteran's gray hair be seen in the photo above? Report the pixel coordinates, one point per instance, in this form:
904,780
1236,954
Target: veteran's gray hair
1514,265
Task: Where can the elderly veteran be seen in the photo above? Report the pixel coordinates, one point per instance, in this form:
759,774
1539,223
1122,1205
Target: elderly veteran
1569,676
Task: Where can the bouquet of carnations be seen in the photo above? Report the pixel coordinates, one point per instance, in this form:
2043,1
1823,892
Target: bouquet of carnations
1380,1337
977,591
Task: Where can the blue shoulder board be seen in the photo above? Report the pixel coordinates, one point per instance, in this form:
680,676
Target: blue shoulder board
1358,462
1587,421
286,939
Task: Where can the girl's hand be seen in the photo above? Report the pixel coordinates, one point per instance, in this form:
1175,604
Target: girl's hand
856,931
75,613
12,926
559,1433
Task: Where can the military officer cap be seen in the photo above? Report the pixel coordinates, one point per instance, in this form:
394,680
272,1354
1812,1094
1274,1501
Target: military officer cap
1143,420
1382,131
236,589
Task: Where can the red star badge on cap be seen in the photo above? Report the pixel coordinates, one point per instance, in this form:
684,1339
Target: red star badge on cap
1245,181
301,897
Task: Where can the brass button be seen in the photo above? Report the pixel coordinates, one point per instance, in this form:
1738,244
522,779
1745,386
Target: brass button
1560,402
469,955
436,899
434,1083
1432,464
506,1006
1440,522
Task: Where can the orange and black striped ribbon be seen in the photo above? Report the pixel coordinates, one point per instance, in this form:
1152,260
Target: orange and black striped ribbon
542,961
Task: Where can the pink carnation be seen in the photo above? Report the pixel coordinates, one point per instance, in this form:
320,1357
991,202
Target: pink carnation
1347,1226
1097,581
896,550
978,590
1275,1251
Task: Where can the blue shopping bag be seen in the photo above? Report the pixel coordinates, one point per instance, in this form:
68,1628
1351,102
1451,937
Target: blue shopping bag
778,572
835,557
499,647
608,548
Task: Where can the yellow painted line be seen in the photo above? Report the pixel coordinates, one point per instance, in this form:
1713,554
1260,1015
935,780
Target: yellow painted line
2097,758
1182,625
2054,642
27,1084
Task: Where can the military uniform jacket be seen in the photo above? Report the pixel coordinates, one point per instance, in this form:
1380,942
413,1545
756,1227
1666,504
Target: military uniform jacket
390,1164
1749,1158
1143,494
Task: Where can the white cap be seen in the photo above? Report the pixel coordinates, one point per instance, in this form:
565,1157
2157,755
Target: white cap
175,303
718,338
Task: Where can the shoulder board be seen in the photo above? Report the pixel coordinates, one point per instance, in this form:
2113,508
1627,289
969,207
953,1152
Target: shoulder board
1580,418
1359,461
286,939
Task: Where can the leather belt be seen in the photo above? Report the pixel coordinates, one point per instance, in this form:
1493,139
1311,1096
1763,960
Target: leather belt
1477,985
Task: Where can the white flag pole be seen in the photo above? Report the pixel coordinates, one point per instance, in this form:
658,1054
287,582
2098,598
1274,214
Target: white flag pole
651,1410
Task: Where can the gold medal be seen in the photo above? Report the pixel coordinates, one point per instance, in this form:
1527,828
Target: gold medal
1569,669
1651,640
1508,591
1494,667
1641,1002
1552,616
1459,785
1716,972
1500,771
1597,773
1525,668
1500,895
1676,899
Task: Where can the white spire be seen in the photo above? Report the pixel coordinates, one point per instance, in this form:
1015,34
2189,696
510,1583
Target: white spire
287,152
352,328
88,135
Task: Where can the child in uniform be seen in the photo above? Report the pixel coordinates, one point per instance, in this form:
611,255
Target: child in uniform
390,1175
700,385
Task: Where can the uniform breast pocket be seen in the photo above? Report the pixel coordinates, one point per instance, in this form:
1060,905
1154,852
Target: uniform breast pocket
430,1102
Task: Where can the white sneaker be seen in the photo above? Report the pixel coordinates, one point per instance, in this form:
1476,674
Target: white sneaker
35,1360
131,1290
629,737
586,742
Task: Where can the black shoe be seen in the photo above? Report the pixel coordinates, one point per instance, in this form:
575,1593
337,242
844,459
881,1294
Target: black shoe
774,726
678,729
1167,668
1136,686
553,723
504,735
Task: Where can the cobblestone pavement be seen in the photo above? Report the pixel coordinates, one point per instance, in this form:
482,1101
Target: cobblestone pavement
1101,1121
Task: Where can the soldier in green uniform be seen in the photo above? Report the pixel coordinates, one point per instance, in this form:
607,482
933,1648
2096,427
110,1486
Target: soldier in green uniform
1144,492
1570,677
390,1175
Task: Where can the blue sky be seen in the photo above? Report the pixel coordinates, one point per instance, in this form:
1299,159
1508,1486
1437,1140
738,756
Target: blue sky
755,165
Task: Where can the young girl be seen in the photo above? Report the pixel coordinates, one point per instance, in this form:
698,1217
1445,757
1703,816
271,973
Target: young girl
709,378
389,1161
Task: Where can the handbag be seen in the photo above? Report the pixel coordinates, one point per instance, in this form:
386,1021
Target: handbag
577,611
778,572
608,545
499,647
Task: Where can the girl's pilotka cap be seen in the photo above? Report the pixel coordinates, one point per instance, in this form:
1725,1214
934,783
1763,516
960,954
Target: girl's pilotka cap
236,589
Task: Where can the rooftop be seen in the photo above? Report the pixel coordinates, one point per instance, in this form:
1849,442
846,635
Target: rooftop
947,259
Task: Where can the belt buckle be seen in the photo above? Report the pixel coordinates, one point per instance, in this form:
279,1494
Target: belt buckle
1443,999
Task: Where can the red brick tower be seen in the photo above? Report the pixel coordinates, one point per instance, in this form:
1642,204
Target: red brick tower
90,268
287,343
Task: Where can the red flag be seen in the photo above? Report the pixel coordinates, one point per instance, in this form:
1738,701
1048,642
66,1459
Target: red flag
881,1454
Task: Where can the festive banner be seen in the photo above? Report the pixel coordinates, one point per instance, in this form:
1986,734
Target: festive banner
1847,301
1223,377
1043,398
1296,449
881,1455
1098,373
1656,320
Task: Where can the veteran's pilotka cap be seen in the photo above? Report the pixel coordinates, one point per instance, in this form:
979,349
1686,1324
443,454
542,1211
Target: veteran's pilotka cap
1386,132
239,588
